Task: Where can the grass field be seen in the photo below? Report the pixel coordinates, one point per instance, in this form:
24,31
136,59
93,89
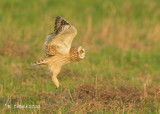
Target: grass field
121,71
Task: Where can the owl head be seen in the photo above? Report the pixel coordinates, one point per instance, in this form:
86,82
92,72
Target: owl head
81,52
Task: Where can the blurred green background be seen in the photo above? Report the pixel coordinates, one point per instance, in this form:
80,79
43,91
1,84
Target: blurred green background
121,38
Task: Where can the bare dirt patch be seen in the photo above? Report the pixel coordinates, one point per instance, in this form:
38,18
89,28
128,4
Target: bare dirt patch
12,48
88,98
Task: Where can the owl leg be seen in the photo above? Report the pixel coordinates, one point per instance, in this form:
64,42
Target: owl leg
54,77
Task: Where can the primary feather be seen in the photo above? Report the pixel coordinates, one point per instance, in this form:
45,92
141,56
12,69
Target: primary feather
62,36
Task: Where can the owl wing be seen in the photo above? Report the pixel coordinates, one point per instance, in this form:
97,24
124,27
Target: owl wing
61,39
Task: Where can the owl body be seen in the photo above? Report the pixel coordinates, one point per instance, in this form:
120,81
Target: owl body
60,60
58,50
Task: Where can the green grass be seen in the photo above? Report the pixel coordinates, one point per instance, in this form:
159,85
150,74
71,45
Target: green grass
121,39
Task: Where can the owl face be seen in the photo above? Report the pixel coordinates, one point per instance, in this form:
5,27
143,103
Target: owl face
81,52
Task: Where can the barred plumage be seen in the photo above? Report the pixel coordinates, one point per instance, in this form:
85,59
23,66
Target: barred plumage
58,49
50,50
59,23
40,62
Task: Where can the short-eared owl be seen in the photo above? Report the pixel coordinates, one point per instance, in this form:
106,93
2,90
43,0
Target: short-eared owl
58,50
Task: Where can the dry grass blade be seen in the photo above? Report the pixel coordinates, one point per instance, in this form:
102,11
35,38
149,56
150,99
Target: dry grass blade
12,48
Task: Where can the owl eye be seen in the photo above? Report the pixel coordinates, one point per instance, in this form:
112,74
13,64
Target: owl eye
81,51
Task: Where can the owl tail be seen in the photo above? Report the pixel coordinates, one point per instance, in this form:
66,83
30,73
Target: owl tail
40,62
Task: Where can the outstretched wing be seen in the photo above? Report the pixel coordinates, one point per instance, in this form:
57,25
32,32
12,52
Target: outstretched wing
61,39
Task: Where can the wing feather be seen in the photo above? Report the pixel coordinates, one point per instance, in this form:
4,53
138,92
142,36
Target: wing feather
62,36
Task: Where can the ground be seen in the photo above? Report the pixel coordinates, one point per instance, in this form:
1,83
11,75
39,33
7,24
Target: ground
121,71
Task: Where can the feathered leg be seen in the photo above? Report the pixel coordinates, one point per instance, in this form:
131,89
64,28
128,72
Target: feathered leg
54,77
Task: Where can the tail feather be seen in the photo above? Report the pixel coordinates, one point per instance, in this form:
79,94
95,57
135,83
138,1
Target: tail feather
40,62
